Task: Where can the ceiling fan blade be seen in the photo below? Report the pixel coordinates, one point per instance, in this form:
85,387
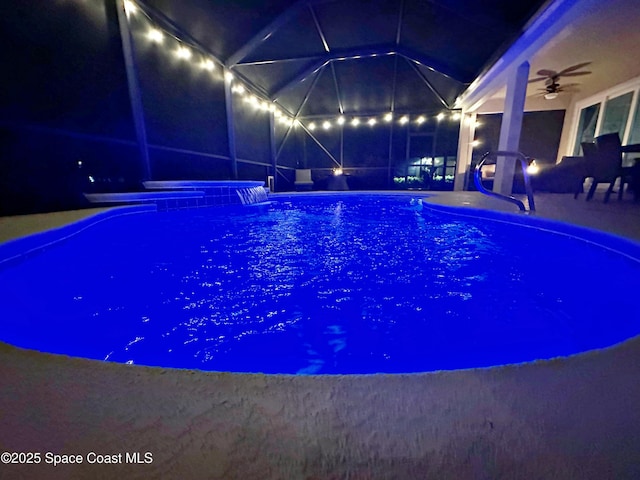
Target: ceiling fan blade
572,68
539,79
574,74
547,73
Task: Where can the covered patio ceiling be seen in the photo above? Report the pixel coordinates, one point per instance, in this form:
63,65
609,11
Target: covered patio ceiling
600,36
319,58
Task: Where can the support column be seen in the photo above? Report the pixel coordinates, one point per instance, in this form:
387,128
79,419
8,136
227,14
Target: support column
231,133
465,150
510,128
274,147
134,89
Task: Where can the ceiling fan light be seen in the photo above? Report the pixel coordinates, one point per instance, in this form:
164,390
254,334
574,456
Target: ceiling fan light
550,95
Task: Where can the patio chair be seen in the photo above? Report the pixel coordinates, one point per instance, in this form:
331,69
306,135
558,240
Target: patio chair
303,179
604,164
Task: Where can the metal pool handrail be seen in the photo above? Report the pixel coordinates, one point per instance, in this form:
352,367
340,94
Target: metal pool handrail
477,177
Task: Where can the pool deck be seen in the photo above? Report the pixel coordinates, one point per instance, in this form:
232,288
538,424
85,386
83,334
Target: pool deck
567,418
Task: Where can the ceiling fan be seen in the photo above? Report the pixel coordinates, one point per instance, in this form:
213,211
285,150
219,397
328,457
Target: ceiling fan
551,78
552,90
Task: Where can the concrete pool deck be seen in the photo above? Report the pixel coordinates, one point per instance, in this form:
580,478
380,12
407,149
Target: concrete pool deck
566,418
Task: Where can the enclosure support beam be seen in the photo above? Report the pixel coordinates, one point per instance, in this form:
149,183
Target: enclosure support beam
510,128
415,57
393,108
322,147
429,85
303,74
266,32
134,89
231,132
272,145
284,141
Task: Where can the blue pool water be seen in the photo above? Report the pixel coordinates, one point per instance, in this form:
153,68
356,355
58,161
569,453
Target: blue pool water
322,284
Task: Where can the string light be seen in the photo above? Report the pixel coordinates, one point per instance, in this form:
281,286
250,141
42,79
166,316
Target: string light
130,8
183,53
155,35
207,64
186,52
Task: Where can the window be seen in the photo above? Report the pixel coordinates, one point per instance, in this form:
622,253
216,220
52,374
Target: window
616,112
586,127
634,134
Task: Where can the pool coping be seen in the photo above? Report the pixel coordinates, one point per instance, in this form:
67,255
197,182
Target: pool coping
24,246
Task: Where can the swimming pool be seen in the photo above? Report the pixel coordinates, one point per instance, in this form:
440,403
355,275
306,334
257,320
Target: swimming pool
321,284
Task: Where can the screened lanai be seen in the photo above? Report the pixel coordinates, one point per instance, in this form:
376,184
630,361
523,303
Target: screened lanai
105,95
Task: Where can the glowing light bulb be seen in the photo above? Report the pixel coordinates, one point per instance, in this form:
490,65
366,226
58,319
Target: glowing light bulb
326,125
420,120
340,121
208,65
312,126
238,89
388,117
155,35
228,76
183,53
475,143
355,122
404,119
372,121
440,116
130,7
455,116
533,168
337,171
